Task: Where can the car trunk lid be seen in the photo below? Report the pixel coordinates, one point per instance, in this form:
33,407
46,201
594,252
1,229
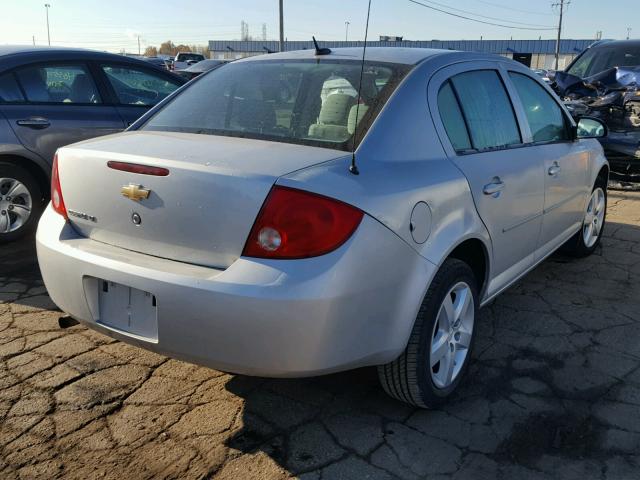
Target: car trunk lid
201,212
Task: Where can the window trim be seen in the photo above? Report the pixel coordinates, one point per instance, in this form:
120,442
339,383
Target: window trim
567,122
61,63
113,95
507,92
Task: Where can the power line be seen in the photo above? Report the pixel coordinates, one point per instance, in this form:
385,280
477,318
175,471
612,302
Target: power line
513,9
485,16
476,20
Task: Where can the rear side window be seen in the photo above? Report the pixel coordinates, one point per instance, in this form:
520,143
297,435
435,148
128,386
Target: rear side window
9,89
487,109
452,118
546,121
137,86
58,84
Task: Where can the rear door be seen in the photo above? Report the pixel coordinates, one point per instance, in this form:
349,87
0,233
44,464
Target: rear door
480,131
566,162
60,104
136,88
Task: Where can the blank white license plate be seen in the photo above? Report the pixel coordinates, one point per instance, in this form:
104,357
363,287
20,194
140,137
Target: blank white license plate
127,309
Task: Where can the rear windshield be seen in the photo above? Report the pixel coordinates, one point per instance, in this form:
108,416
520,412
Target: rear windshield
311,102
184,57
599,59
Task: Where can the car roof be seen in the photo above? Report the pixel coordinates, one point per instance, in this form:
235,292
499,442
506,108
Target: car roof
617,43
17,55
408,56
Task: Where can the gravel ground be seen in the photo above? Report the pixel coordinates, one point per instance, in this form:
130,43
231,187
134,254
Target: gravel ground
554,392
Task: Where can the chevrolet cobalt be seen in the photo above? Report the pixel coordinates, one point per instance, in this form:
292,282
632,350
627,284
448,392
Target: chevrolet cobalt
298,214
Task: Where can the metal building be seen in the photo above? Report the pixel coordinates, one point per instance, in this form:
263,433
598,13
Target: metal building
533,53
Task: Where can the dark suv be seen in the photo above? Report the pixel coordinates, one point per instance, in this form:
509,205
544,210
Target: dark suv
50,97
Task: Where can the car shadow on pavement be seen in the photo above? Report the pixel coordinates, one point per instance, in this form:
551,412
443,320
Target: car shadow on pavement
20,279
553,390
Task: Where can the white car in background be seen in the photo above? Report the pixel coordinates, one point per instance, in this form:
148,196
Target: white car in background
183,60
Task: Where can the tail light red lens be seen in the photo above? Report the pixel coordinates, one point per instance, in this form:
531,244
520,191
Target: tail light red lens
57,201
297,224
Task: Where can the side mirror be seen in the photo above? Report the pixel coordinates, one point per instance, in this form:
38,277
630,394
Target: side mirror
590,127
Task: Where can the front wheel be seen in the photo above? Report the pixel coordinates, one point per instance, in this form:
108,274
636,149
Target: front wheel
439,349
586,240
20,202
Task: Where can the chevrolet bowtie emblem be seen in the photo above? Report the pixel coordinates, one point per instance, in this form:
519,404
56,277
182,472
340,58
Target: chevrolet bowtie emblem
135,192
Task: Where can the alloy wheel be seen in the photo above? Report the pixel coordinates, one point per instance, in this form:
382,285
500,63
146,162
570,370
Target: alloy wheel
15,205
452,333
594,218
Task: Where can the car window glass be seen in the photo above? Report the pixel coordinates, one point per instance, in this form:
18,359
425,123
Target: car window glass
9,89
58,84
487,109
295,101
545,117
452,118
137,86
596,60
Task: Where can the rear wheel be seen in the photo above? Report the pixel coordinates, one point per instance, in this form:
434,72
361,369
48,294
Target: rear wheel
20,202
439,349
586,240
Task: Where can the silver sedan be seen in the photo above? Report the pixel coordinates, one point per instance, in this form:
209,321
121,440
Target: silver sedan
299,214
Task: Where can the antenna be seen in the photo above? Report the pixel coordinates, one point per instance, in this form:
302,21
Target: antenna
320,51
353,168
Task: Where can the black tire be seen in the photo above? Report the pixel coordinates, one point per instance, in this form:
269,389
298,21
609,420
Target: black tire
9,170
408,378
575,246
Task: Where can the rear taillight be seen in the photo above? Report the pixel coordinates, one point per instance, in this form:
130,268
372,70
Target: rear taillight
297,224
56,191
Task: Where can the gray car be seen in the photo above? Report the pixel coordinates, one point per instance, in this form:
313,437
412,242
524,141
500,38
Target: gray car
50,97
234,228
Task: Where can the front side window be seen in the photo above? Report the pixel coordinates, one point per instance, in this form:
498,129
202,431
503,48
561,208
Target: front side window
58,84
487,109
546,120
137,86
293,101
9,89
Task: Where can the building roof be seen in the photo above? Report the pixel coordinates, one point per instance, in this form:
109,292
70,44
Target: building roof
484,46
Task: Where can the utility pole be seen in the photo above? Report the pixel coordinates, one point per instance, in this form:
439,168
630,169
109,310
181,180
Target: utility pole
138,44
561,5
346,34
33,37
46,6
281,27
628,32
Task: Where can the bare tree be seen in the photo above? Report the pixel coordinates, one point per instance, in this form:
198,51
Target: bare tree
151,52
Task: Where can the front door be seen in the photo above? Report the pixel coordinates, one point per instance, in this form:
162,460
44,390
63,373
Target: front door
506,178
566,162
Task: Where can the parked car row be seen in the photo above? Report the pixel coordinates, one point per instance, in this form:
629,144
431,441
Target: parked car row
308,212
50,97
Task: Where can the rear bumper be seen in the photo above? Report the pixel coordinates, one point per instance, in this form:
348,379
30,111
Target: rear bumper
350,308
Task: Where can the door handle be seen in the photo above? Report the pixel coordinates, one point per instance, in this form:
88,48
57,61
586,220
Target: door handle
494,188
554,169
36,123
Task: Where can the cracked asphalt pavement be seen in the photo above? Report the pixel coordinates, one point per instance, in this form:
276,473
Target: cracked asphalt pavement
553,392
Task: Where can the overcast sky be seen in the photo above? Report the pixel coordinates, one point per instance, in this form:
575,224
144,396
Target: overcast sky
115,24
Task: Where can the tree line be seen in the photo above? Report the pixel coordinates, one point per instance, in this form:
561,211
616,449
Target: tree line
170,48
